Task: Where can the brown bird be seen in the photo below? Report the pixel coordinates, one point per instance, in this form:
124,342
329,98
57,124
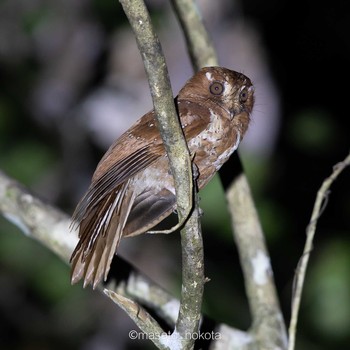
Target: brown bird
132,189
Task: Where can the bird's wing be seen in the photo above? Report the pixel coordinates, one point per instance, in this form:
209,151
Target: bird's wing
100,232
103,211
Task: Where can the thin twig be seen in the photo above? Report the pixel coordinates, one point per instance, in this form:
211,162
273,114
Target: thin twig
321,199
180,163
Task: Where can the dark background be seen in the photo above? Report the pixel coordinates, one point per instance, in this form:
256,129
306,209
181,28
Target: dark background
71,81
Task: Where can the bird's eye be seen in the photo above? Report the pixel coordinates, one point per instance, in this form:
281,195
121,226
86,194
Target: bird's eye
243,95
216,88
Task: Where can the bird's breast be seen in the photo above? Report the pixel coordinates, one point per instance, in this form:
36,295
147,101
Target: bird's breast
213,146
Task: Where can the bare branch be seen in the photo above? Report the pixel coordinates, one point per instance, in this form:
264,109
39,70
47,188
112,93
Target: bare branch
321,199
35,218
233,339
180,163
268,325
145,292
199,44
142,318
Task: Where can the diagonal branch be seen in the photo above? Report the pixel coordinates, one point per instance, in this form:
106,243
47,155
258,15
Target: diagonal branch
321,200
199,44
36,219
268,325
142,318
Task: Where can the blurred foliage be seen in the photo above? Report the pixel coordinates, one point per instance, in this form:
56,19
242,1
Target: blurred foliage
313,131
15,161
330,276
53,56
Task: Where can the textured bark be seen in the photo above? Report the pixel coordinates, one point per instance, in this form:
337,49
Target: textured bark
180,163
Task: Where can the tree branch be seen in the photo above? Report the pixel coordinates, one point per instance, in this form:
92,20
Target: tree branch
181,167
142,318
36,219
268,325
199,43
321,200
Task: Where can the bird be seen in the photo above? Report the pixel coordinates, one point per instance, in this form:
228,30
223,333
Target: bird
132,189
